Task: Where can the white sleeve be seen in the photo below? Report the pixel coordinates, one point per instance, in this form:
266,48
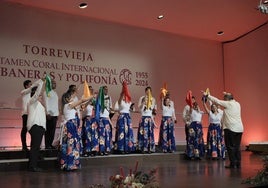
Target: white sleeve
34,98
218,101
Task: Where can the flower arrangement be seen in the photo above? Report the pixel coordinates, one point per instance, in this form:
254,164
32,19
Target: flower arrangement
135,179
261,178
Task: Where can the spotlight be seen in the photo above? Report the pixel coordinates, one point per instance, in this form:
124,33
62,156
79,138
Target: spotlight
160,17
263,7
220,33
83,5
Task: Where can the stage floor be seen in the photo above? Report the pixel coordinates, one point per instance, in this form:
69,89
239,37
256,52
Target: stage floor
172,171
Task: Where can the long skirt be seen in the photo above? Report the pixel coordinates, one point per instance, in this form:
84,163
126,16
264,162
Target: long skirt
70,146
145,138
79,133
215,142
166,135
195,142
90,135
105,136
124,139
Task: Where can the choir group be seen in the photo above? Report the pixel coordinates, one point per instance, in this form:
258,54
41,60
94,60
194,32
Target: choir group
86,126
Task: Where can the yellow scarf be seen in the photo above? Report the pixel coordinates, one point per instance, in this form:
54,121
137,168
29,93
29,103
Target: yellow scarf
149,100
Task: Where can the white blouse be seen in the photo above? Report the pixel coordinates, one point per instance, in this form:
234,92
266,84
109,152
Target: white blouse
69,113
124,106
144,111
107,106
88,110
215,118
36,111
196,115
167,111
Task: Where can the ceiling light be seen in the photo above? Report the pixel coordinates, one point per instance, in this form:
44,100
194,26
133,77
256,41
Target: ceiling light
160,17
220,33
263,6
83,5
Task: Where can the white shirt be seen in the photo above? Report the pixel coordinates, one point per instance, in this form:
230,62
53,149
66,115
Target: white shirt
52,103
143,109
88,111
168,111
26,95
186,116
36,111
107,106
196,115
215,118
68,112
232,114
124,106
25,99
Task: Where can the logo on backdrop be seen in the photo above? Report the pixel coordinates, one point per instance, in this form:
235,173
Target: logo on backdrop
125,75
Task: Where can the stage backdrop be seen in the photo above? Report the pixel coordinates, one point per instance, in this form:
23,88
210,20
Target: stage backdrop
71,49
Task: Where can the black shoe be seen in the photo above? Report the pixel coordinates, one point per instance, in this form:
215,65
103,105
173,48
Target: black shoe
35,169
85,155
25,149
50,147
93,153
230,166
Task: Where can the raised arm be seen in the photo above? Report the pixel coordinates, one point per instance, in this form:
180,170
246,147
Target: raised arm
205,107
79,102
28,90
218,101
39,85
141,103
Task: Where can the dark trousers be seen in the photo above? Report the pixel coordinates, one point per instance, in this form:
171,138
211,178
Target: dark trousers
50,130
232,142
36,133
23,132
186,129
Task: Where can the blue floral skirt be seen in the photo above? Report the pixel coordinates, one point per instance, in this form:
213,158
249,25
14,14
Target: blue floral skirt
195,142
124,139
70,147
145,138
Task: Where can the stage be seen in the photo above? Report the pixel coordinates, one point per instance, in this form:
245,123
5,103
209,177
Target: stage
173,170
258,147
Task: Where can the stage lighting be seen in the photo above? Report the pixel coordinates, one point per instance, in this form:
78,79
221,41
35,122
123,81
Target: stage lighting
263,6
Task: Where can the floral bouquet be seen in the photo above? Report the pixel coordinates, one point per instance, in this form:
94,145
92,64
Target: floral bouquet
135,179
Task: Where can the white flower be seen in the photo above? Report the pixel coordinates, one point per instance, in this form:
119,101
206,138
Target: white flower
128,179
117,176
137,185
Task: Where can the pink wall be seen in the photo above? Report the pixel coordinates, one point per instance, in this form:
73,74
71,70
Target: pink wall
183,63
246,68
